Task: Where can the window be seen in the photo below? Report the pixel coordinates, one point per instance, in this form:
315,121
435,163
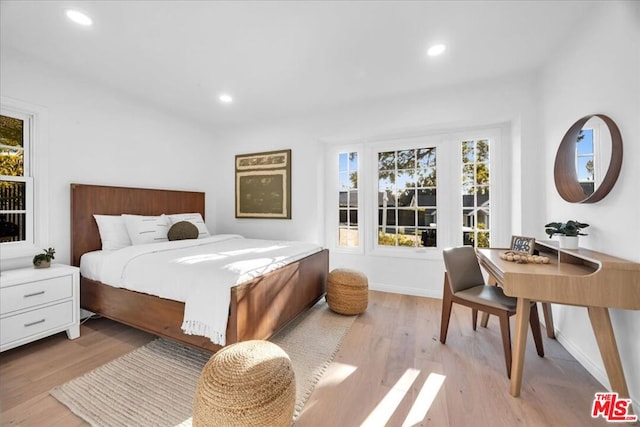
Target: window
24,223
410,196
348,229
407,197
16,184
475,193
585,153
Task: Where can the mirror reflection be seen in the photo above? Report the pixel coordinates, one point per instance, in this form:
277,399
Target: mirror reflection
593,153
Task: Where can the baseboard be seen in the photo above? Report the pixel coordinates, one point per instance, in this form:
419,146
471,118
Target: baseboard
594,369
582,358
418,292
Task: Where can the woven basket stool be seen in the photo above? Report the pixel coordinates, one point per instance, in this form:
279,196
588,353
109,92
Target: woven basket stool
347,291
250,383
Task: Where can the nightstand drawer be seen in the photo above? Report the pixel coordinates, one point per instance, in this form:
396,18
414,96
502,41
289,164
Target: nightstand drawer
34,322
35,293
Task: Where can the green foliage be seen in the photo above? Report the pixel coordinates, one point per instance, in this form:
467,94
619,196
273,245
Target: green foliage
475,169
569,228
482,237
353,177
10,131
422,160
387,239
48,255
589,167
11,150
483,240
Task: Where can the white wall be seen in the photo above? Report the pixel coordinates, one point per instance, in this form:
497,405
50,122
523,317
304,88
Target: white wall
97,136
599,73
484,103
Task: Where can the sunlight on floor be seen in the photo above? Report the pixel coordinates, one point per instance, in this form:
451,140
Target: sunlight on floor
186,423
388,405
425,399
385,409
337,373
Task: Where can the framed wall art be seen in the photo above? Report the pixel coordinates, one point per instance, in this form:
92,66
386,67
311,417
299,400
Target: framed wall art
263,185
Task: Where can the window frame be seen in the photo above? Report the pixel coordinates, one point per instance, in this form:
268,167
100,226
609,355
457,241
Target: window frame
592,155
490,164
600,154
499,183
443,151
358,209
449,172
35,174
332,194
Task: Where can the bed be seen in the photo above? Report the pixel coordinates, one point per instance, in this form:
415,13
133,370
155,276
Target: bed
258,308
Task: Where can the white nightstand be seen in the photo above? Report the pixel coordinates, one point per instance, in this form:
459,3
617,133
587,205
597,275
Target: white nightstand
38,302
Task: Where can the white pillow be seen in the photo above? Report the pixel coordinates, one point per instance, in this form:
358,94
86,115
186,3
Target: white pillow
195,219
146,229
113,232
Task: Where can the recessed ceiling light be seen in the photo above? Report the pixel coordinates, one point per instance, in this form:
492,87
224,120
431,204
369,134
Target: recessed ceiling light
79,18
225,98
436,49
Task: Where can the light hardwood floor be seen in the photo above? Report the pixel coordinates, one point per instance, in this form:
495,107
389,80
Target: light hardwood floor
391,370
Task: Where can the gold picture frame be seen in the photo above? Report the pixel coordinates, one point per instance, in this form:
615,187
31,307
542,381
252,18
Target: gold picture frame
263,185
523,245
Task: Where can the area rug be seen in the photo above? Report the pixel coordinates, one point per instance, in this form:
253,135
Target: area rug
155,384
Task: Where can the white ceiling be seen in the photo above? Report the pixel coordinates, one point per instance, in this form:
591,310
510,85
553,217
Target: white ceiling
284,58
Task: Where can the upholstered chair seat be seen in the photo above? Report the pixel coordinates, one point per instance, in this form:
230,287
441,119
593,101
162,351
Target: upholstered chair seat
464,284
492,296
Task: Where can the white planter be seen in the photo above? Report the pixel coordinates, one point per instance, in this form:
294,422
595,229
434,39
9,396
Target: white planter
568,242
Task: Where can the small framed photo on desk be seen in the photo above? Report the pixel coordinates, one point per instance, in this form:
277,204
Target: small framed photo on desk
523,245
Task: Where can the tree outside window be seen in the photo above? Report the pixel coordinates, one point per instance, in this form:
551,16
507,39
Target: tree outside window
475,193
407,211
14,179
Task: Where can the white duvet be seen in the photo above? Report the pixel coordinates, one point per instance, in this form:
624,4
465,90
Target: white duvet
199,273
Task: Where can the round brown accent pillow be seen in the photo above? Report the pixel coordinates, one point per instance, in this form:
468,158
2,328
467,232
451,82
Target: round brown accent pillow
182,230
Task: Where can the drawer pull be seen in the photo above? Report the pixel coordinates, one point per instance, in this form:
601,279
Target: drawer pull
34,323
34,294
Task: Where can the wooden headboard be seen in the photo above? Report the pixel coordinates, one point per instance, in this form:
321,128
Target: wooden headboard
87,200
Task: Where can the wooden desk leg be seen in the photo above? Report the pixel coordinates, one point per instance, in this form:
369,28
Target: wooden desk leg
485,316
601,324
548,320
523,309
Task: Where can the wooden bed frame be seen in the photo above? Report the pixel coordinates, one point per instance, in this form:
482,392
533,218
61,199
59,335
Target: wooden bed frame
258,308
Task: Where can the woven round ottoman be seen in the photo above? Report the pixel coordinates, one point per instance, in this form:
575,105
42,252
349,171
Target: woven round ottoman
347,291
249,383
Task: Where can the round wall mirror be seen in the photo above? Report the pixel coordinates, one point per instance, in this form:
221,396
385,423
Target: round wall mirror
588,160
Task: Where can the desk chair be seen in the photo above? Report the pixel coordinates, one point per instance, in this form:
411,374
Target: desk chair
464,285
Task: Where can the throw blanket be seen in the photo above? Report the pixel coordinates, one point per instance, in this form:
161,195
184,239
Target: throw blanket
200,273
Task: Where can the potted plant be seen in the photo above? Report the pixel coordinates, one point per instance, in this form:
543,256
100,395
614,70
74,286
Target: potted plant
44,260
568,232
